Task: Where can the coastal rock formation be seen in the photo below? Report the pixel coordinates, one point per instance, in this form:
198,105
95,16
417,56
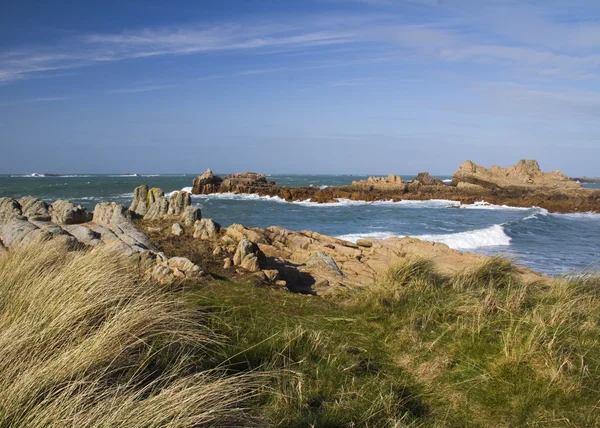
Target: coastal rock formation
64,212
206,183
526,173
391,182
151,204
424,179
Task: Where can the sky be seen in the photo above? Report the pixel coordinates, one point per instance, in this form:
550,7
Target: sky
312,86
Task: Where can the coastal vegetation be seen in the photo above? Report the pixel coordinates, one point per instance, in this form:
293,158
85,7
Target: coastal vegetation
87,340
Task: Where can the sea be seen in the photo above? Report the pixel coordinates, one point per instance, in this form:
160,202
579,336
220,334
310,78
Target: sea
554,244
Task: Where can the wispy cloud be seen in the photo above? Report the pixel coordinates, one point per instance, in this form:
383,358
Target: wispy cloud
142,89
538,42
34,100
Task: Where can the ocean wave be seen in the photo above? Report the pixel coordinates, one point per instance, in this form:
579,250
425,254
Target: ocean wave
353,237
488,237
482,205
585,215
539,212
447,180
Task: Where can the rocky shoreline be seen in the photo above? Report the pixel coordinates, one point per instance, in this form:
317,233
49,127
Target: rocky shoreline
171,241
521,185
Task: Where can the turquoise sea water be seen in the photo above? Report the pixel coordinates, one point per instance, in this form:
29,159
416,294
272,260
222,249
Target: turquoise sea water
550,243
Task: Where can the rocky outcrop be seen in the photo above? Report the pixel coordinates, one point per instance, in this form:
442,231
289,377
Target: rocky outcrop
206,229
206,183
526,174
523,185
424,179
391,182
152,204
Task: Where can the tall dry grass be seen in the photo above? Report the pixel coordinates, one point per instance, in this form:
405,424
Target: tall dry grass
85,341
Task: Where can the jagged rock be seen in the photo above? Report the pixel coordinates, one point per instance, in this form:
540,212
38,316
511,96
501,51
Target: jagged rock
64,212
469,188
206,183
324,263
424,179
244,248
176,229
114,217
244,182
250,263
190,215
271,274
206,229
227,263
158,205
83,234
9,210
218,250
182,263
178,202
34,209
139,205
526,173
391,182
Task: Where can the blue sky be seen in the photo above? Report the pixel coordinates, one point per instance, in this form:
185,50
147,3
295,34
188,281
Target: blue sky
314,86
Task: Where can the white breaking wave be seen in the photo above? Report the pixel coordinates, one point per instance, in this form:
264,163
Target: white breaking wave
482,205
540,212
489,237
353,237
323,186
447,180
585,215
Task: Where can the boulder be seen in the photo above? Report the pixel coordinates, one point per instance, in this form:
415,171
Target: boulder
206,229
246,255
9,210
178,202
64,212
34,209
424,179
17,231
323,263
115,218
158,205
190,215
139,205
206,183
176,229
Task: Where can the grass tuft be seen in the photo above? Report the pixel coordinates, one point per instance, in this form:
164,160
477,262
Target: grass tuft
85,341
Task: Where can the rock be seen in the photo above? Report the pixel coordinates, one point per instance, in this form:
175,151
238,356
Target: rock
34,209
158,205
364,243
280,283
114,217
9,210
83,234
227,263
206,183
469,188
271,274
246,182
15,232
176,229
391,182
178,273
323,263
190,215
206,229
162,273
64,212
181,263
425,179
218,250
139,205
178,202
250,263
244,248
526,174
260,275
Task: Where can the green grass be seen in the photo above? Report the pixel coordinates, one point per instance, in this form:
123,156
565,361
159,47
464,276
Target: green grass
86,341
420,349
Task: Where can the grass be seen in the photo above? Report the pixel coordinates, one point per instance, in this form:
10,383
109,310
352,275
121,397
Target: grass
85,341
